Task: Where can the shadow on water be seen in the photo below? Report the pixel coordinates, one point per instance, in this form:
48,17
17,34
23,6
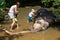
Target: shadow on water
56,26
3,37
6,38
9,37
58,38
14,37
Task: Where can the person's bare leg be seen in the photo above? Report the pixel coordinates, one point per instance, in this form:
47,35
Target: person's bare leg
12,25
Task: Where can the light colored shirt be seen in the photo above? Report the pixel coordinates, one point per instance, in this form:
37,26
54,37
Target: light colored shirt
31,14
13,9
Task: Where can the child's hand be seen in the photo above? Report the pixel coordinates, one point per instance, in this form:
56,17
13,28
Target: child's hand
16,12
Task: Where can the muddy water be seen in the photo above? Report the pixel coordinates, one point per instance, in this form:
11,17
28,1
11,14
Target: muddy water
49,34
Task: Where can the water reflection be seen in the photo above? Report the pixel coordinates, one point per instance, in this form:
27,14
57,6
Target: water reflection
58,38
3,37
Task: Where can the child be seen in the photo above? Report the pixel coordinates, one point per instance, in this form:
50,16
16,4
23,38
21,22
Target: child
13,13
30,17
14,10
14,24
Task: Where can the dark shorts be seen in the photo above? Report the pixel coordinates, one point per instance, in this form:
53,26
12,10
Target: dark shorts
30,18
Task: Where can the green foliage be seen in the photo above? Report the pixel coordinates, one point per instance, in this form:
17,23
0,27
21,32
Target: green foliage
2,9
57,14
56,3
1,14
51,3
10,2
2,3
45,3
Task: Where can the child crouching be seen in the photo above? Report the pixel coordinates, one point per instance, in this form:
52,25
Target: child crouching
31,14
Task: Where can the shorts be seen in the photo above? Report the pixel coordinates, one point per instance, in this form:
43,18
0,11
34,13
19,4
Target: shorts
11,15
30,18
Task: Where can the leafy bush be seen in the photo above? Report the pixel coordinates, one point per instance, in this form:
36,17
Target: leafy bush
2,3
56,4
57,13
51,3
2,7
45,3
2,14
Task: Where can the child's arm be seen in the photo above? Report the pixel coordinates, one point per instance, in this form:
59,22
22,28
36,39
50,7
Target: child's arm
15,10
